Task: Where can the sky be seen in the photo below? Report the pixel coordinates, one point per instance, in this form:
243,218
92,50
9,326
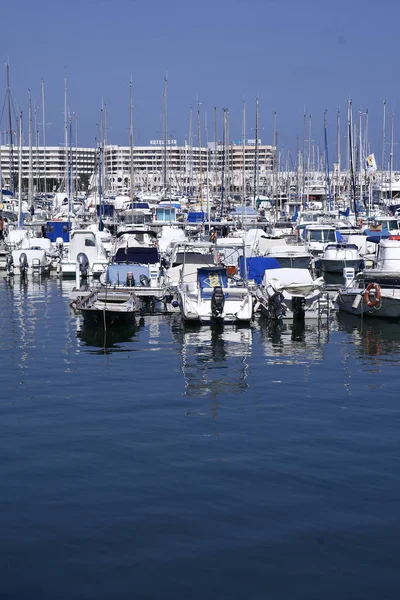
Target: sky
297,57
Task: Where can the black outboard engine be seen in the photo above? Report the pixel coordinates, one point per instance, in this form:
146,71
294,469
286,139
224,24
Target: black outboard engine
144,280
83,264
23,264
217,302
277,308
130,280
10,264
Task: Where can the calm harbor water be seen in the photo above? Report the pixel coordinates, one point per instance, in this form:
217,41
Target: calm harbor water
166,462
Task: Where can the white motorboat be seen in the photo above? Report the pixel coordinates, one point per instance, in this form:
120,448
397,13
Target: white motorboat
317,237
208,295
292,293
291,256
386,269
85,253
34,257
339,256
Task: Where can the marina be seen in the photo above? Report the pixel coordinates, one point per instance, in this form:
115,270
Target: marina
199,301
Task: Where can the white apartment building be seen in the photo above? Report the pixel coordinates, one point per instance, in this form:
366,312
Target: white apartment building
153,165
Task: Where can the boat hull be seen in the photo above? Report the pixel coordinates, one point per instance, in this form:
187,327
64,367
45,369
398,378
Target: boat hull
329,265
387,308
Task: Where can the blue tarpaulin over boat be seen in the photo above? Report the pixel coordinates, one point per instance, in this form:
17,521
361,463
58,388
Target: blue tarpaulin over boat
376,236
256,267
196,217
58,229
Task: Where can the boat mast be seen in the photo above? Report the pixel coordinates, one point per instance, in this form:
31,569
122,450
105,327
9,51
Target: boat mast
100,169
132,171
339,155
66,148
255,182
200,157
44,139
190,186
30,141
10,132
215,162
37,149
243,157
309,158
360,157
165,128
76,155
383,147
20,213
224,113
208,171
328,181
391,152
303,186
353,182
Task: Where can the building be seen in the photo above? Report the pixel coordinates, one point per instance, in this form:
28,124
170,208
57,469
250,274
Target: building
154,167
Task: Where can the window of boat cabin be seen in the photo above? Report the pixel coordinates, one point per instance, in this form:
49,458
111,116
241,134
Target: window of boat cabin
89,242
321,235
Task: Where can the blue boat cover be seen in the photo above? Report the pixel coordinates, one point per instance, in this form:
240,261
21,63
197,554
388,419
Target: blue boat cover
196,217
256,267
107,210
138,255
376,236
58,229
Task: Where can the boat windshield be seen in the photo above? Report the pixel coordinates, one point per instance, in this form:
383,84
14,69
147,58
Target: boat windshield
389,224
322,235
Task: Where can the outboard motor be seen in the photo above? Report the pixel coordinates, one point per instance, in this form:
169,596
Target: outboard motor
82,263
144,280
60,245
81,269
130,280
23,264
217,302
10,264
277,308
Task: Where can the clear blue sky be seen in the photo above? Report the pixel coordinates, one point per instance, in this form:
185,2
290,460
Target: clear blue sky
292,54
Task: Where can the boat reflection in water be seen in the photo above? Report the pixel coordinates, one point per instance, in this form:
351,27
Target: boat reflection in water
214,359
300,342
96,340
372,337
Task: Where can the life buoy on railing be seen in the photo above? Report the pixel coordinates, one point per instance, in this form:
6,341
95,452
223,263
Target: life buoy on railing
218,257
394,237
372,295
231,270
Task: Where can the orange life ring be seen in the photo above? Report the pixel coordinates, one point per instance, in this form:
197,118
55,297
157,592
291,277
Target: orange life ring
231,270
372,295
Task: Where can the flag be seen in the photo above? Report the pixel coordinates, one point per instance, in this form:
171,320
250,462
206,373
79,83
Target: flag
370,164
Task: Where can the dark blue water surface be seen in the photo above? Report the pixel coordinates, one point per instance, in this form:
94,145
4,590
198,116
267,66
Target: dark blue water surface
172,463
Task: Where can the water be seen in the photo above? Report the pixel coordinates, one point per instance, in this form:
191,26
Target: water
166,462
